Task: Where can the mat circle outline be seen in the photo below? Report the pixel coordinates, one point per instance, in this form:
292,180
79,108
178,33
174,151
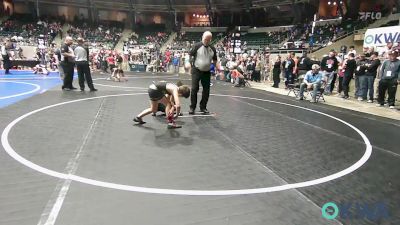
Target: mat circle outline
7,147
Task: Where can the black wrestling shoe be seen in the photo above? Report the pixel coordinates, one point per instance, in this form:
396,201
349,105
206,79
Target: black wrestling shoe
173,126
204,111
93,89
191,112
138,120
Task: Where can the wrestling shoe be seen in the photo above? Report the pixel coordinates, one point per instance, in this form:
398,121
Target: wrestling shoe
138,120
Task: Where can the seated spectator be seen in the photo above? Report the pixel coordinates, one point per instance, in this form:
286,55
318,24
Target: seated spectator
313,81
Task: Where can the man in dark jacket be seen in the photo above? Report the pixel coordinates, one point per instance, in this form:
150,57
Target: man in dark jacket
329,66
360,72
367,82
305,64
349,69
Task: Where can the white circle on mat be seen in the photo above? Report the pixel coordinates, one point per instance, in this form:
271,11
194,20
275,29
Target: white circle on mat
36,88
8,148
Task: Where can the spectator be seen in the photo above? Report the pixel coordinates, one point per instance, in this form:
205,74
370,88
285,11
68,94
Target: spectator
276,72
6,57
351,50
361,63
329,65
288,66
349,69
304,64
389,79
312,81
385,51
367,83
175,62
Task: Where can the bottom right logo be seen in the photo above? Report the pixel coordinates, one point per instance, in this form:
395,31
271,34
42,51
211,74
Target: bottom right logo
355,210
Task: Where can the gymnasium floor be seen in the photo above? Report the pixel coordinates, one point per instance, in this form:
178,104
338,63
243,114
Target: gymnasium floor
76,158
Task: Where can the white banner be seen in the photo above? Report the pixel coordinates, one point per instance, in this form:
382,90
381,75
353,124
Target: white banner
381,36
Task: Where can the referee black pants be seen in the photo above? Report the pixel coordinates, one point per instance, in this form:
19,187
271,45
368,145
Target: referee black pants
68,69
205,79
84,74
6,64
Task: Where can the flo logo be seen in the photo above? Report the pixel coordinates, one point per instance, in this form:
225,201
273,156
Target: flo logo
349,211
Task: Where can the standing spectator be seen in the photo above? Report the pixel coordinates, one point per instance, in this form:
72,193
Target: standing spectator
304,64
329,65
57,53
367,84
351,50
6,57
385,51
82,64
67,64
175,62
389,79
276,72
202,54
288,66
257,70
361,63
341,70
349,69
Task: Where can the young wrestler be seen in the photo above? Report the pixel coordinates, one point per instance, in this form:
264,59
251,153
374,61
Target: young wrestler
118,75
168,94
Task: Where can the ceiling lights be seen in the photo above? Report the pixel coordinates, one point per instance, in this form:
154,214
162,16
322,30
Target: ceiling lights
200,16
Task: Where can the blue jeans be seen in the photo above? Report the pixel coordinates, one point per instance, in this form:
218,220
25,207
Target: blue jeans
357,86
289,78
330,76
314,89
367,87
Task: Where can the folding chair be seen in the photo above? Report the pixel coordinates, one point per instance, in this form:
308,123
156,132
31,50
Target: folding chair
320,92
295,87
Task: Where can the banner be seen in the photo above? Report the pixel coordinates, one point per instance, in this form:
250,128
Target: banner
381,36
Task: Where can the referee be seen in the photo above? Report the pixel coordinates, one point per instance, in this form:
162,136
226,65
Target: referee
82,64
201,56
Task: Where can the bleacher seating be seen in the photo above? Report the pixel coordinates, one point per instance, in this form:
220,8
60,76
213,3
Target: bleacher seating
104,35
262,39
28,30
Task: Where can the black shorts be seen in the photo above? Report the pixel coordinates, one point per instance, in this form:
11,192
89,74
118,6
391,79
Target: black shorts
155,95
